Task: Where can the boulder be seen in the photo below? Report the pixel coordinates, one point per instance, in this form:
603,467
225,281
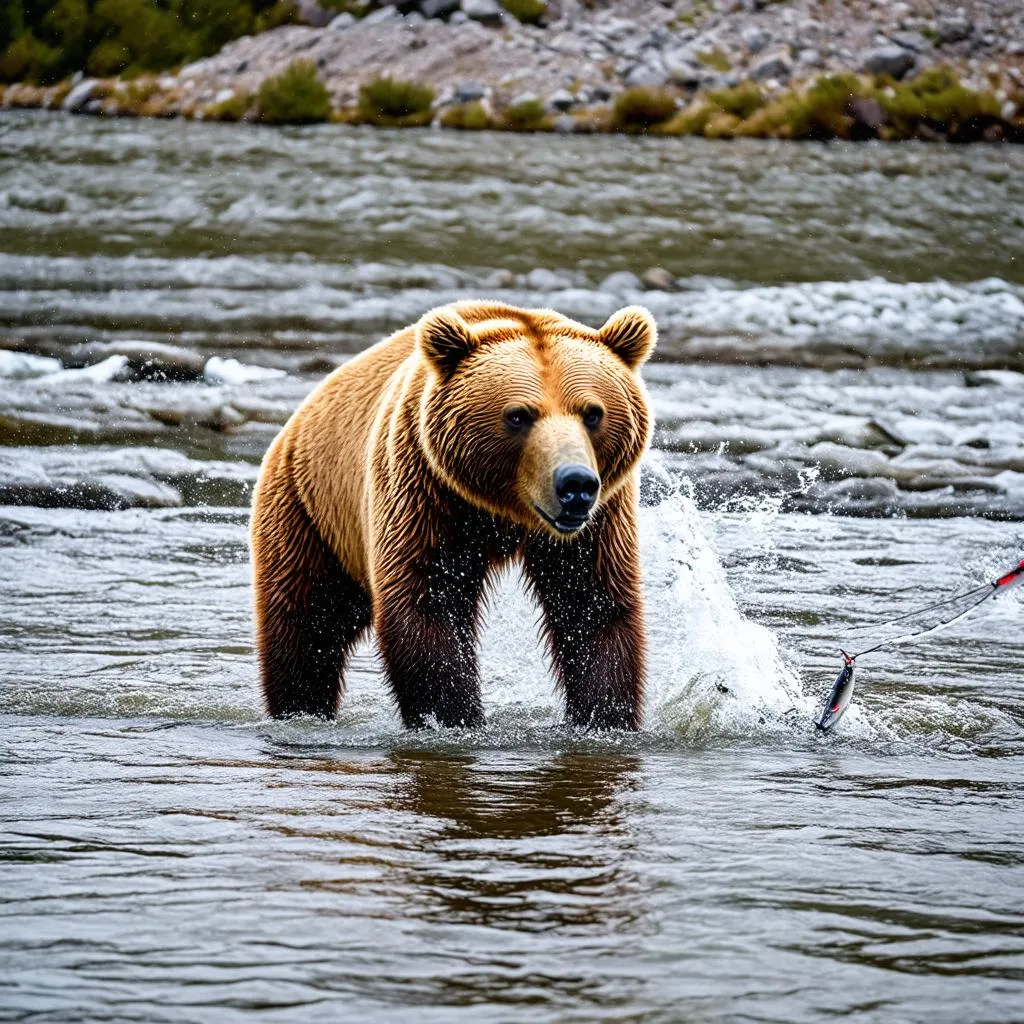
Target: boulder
382,16
953,29
621,281
755,39
469,92
775,65
344,20
543,280
650,74
561,100
888,60
500,279
487,12
311,13
658,279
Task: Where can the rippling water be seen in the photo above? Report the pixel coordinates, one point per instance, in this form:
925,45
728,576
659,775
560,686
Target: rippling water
171,855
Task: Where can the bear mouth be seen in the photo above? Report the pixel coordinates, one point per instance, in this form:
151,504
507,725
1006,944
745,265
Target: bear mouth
564,523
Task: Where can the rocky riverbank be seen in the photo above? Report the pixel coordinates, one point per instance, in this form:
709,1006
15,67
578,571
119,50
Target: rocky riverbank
791,69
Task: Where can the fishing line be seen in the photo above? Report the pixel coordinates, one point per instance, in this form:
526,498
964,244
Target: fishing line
841,693
962,596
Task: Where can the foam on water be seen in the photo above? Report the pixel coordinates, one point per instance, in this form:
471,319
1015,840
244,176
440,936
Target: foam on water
712,672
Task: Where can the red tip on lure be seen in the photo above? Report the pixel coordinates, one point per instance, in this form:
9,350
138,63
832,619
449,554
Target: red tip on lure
841,694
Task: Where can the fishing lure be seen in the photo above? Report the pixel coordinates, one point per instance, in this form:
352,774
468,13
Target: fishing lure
841,693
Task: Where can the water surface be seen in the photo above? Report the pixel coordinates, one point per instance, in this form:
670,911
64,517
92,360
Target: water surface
171,855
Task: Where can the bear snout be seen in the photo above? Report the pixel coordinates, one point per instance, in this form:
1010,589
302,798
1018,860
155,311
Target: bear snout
576,488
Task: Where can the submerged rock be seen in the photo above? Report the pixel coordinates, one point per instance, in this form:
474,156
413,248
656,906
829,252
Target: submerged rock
101,478
144,360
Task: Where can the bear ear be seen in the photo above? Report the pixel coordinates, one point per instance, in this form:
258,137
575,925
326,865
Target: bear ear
631,334
445,338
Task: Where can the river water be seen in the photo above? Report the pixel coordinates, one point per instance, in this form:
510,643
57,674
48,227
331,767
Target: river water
840,404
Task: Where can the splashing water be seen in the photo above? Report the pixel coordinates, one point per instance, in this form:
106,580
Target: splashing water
711,671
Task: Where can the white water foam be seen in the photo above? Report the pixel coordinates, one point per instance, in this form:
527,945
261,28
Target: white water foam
712,673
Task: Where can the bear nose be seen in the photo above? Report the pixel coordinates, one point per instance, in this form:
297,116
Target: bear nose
576,489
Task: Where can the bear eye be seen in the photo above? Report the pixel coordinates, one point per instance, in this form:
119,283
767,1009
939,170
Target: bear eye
518,418
592,416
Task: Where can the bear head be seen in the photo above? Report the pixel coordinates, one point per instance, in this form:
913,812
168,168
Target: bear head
530,415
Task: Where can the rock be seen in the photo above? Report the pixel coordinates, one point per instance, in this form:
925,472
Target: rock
564,124
755,39
867,112
888,60
458,18
562,100
382,16
953,29
143,360
543,280
487,12
682,68
621,281
775,65
648,75
658,279
311,13
342,21
994,378
79,96
810,58
438,8
911,41
500,279
469,92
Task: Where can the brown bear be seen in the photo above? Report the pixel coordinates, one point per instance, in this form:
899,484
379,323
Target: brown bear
482,433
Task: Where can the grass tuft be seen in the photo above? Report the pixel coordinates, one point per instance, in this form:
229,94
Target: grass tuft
390,101
296,96
467,117
642,108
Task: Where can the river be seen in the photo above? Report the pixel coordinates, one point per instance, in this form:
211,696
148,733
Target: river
839,393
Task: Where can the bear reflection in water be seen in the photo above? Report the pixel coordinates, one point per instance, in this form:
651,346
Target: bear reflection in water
463,862
480,435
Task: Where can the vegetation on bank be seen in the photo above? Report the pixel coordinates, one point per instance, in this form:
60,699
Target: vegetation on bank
44,42
933,106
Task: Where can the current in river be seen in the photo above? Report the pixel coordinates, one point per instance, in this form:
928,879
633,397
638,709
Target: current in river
840,402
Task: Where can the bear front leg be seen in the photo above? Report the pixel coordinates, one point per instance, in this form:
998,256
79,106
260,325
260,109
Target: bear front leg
309,611
589,589
426,614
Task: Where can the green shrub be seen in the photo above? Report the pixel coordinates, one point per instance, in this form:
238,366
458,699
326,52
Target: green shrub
642,107
45,40
31,60
283,12
295,96
527,116
466,116
108,58
937,101
741,102
392,101
691,120
527,11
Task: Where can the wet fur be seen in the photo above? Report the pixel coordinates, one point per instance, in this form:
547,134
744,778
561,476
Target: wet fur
369,512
